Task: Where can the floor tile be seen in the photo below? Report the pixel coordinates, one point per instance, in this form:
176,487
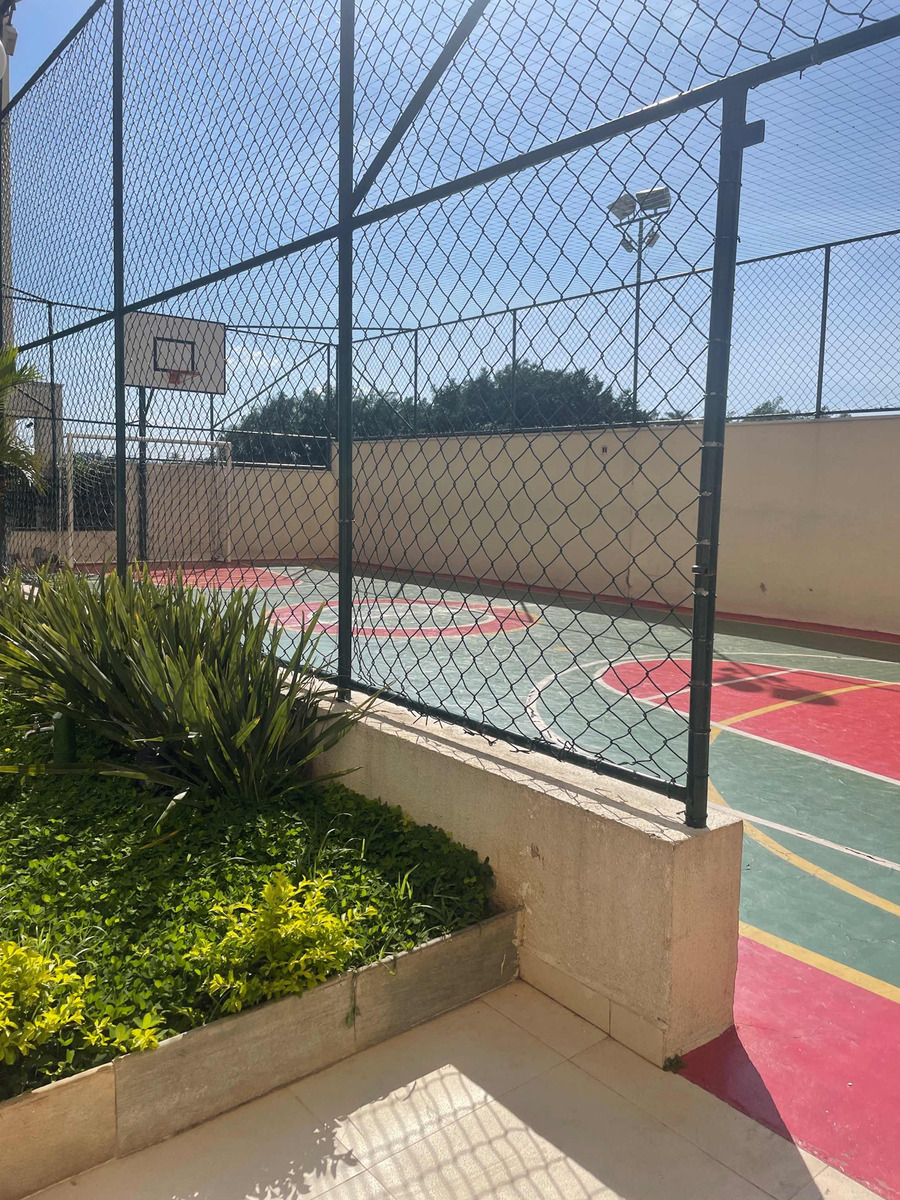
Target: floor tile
556,1026
360,1187
831,1185
271,1149
392,1095
766,1159
563,1135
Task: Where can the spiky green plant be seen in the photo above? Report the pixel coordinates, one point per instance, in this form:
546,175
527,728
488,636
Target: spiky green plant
198,688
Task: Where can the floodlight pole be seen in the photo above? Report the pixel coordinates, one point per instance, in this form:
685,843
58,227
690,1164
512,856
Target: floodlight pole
637,320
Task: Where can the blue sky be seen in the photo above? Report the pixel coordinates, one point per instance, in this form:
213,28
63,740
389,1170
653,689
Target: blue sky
41,24
829,169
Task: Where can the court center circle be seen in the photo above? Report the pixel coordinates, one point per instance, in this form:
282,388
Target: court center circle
397,617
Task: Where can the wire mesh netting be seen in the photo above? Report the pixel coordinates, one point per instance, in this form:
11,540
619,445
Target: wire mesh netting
523,321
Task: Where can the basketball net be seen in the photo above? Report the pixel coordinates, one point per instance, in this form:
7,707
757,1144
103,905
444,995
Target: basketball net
176,378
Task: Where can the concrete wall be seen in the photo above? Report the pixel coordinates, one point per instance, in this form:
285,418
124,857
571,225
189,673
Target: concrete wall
810,510
282,514
595,512
810,522
809,517
271,513
630,918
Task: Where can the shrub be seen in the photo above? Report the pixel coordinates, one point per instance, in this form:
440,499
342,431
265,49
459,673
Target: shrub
198,688
286,943
41,998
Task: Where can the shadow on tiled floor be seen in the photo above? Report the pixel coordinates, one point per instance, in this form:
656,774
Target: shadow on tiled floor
510,1097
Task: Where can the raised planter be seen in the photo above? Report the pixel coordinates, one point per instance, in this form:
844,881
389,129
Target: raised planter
57,1131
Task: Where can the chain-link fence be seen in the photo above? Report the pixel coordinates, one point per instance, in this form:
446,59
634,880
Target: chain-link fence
419,317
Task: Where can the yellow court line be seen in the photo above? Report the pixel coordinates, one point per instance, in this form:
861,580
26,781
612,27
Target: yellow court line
803,864
801,954
758,712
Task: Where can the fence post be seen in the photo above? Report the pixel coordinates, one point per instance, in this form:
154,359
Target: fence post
736,136
6,294
515,365
820,374
118,214
345,351
54,431
142,474
415,382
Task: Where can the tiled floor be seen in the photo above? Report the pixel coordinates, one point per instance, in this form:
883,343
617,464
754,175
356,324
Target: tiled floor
512,1096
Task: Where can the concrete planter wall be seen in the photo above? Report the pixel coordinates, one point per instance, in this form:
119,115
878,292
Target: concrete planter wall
57,1131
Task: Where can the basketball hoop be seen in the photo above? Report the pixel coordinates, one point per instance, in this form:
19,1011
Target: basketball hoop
177,378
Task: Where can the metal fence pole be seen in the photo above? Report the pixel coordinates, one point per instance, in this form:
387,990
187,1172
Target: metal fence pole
820,373
118,199
142,474
345,351
635,362
415,381
54,430
515,365
735,137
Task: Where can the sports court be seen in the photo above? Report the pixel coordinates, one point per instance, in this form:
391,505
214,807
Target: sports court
806,746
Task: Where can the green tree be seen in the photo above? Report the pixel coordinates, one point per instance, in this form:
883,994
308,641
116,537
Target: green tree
771,408
287,428
527,397
16,460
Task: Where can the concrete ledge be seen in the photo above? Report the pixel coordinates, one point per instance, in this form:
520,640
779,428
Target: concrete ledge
58,1131
630,917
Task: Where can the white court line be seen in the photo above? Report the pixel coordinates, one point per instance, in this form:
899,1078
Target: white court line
834,762
807,837
531,708
667,696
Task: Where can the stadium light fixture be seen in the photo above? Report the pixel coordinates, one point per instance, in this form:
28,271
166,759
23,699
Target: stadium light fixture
648,206
623,207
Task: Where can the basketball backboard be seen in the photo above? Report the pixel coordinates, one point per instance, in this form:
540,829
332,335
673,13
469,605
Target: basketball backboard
174,353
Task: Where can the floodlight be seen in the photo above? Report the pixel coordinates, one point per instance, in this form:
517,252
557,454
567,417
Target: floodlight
652,238
658,199
623,207
628,243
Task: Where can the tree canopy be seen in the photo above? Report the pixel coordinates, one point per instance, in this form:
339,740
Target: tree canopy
284,427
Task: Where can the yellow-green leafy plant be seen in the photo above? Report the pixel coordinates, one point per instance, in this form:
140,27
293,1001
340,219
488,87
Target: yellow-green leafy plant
283,943
41,1000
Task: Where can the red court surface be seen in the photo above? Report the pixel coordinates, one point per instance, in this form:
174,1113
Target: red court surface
223,577
839,717
815,1051
411,618
822,1071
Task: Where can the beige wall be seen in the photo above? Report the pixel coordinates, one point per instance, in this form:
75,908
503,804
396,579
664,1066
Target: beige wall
810,514
587,511
281,514
811,522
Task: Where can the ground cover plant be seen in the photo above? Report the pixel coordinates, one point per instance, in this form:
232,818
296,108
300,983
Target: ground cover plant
129,910
116,932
